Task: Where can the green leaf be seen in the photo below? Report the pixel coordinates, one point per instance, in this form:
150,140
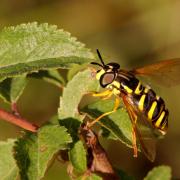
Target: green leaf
118,124
69,115
72,125
51,76
74,70
159,173
12,88
80,85
34,152
77,156
8,167
31,47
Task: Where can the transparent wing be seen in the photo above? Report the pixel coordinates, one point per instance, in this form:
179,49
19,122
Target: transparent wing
165,73
146,135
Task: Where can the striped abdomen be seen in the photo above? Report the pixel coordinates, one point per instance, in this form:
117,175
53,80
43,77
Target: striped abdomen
146,101
153,107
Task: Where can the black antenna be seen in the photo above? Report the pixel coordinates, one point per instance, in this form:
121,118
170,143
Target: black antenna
99,55
95,63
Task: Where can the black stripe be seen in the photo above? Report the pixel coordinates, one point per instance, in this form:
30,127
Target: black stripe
159,108
165,119
149,99
126,80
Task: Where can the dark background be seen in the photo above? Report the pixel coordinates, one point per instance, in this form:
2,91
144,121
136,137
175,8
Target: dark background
132,33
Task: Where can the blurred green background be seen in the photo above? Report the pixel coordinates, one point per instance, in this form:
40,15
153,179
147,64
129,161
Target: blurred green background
132,33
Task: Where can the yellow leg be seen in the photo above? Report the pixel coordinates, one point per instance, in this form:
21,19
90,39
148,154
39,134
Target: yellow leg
134,143
116,105
107,93
108,96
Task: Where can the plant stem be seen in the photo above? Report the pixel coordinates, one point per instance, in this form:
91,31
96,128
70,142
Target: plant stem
21,122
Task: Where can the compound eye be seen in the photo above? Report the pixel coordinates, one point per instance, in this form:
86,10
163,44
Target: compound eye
107,78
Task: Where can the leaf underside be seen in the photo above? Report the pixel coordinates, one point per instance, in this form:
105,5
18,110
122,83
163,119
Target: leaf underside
80,85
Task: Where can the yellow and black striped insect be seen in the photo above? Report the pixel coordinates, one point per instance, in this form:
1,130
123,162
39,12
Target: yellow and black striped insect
147,111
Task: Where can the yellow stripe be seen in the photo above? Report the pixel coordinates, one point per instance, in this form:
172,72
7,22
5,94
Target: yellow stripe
99,74
151,111
137,90
164,125
158,122
116,84
128,89
146,89
141,102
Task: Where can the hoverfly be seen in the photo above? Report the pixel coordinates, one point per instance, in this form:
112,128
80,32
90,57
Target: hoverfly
147,111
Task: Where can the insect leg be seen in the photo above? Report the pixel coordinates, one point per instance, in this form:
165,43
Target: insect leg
116,105
133,118
104,94
134,140
108,96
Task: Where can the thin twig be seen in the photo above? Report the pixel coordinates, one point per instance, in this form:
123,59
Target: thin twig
21,122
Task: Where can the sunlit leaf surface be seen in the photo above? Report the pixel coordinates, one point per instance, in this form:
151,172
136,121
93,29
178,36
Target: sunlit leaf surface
31,47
